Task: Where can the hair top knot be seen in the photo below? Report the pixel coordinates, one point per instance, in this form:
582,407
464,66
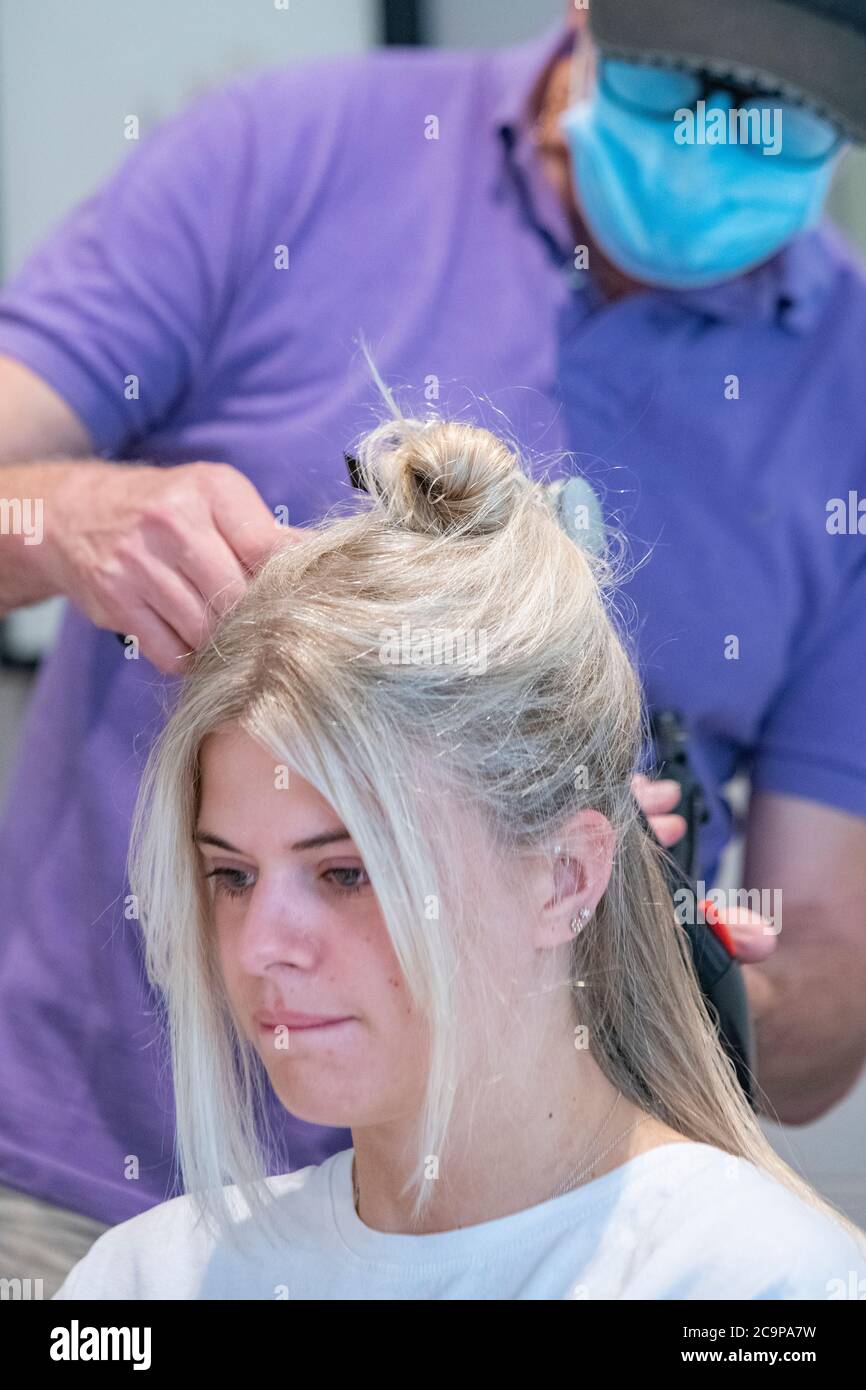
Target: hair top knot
442,477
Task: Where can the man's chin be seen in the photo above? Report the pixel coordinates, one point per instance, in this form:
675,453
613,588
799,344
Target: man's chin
612,277
615,280
615,277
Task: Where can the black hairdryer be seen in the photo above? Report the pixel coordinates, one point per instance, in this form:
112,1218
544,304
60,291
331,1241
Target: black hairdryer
719,974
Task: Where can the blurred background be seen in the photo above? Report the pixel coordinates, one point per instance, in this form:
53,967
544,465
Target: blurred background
69,74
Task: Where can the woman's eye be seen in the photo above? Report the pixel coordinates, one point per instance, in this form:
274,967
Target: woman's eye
229,882
234,883
354,887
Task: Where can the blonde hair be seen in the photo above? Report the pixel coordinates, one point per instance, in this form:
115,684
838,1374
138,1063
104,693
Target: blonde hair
453,536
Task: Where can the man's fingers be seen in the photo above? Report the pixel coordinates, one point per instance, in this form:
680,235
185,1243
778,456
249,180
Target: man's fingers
243,518
161,643
657,800
656,797
754,937
668,829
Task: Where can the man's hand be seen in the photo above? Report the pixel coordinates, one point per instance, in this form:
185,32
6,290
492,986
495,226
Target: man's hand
752,936
158,553
656,800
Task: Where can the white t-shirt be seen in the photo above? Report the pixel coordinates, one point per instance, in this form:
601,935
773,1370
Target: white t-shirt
683,1220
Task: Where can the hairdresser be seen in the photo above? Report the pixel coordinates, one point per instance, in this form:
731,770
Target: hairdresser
177,369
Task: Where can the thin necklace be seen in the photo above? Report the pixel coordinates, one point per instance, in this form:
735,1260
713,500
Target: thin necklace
569,1181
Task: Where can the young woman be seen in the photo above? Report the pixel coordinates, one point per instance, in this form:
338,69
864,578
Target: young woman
388,864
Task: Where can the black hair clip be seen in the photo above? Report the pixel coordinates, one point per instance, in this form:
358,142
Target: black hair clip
354,471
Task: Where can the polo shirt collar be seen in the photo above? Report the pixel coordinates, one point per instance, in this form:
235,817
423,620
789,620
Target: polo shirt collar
789,289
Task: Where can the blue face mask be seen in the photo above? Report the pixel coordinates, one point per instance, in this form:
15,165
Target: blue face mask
684,215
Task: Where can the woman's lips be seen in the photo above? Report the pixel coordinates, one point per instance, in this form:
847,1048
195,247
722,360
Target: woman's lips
297,1022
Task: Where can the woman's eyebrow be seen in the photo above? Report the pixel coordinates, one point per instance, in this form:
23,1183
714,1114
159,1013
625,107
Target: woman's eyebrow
328,837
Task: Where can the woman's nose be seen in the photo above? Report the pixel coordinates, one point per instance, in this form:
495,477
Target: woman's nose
273,931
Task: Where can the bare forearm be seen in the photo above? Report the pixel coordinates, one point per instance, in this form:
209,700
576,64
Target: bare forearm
810,1025
30,511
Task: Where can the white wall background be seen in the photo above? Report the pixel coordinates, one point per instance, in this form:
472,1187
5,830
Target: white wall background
475,23
71,72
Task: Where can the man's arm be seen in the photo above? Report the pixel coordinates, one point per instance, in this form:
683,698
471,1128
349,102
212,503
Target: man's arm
36,422
809,997
37,429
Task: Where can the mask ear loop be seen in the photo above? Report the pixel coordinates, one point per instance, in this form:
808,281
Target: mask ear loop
573,94
583,67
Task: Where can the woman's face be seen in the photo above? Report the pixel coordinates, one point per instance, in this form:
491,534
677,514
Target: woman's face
298,930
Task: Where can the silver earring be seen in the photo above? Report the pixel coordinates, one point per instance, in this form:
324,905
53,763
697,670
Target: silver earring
582,918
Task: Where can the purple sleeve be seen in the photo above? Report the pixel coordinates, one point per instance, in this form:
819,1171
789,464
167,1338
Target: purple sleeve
135,280
813,742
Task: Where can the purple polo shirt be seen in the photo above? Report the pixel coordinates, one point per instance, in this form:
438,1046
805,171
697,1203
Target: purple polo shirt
454,257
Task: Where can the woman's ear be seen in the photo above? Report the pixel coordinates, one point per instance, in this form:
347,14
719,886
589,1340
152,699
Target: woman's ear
582,863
